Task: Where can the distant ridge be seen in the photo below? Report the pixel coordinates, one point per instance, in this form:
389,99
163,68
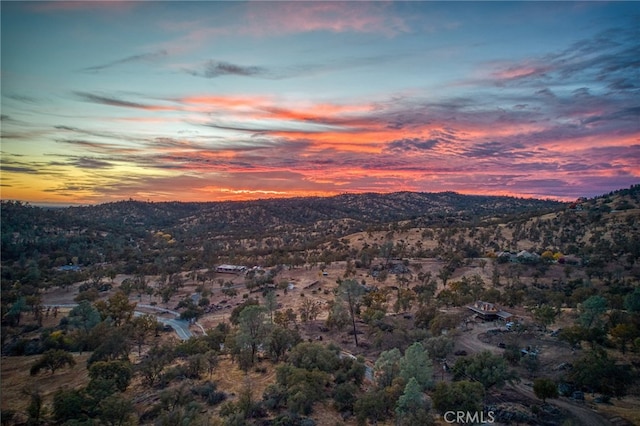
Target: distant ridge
142,233
353,212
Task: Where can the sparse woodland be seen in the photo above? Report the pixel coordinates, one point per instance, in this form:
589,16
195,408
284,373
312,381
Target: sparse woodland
353,311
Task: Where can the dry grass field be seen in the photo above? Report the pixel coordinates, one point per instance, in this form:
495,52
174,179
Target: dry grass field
17,382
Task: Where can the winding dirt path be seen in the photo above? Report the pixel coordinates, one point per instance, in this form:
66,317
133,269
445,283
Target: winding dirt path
585,415
470,342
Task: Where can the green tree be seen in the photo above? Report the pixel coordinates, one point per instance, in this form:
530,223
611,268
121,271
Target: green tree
444,274
458,396
195,365
97,390
373,406
345,396
376,306
157,358
280,341
116,410
115,345
141,328
304,387
351,370
632,301
545,388
271,303
252,329
237,413
117,372
416,364
84,316
191,311
439,347
338,315
573,335
591,311
309,310
545,315
166,292
85,319
424,316
90,295
488,369
70,404
404,300
117,307
52,360
217,336
14,314
597,371
442,322
387,367
623,334
315,356
413,408
284,319
179,408
235,313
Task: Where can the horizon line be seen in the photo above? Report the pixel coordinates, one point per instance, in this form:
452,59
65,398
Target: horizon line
54,204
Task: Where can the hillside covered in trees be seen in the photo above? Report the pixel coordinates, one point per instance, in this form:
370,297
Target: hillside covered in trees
119,232
346,310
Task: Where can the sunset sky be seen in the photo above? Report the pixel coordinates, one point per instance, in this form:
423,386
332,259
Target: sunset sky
210,101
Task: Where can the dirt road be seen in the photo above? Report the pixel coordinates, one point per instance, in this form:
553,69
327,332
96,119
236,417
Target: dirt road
585,415
470,342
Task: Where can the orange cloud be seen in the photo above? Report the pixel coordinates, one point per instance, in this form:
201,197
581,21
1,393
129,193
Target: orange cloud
226,101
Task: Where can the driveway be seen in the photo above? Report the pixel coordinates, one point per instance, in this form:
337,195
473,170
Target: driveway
181,327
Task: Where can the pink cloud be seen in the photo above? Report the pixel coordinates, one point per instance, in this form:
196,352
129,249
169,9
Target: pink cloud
519,71
294,17
282,18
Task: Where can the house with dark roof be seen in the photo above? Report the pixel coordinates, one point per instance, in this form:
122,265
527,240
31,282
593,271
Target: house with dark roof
489,311
231,269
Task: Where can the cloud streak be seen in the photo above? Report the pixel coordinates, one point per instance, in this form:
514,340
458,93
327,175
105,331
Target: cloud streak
610,58
143,57
112,101
214,69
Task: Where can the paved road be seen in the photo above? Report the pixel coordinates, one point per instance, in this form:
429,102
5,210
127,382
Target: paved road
185,333
181,327
158,309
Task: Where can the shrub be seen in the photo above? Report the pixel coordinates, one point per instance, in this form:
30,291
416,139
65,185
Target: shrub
209,393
